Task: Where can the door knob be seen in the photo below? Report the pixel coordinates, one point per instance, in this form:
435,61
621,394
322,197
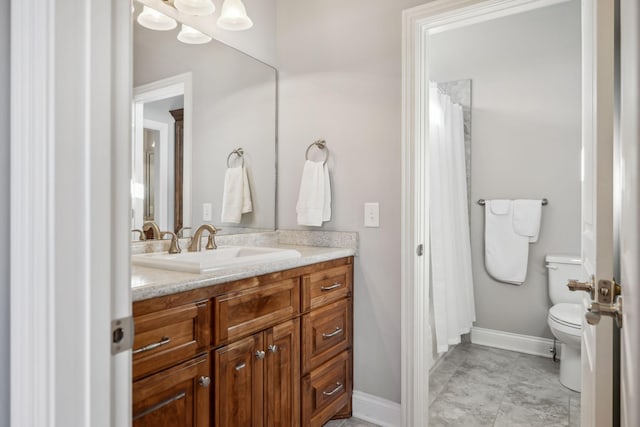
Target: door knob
575,285
598,309
260,354
273,348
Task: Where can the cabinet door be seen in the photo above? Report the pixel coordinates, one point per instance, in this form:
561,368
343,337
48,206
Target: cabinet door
178,396
239,371
282,378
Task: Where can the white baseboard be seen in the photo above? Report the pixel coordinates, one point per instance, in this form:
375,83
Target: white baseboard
514,342
376,410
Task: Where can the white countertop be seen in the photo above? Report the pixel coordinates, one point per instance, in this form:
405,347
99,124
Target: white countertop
154,282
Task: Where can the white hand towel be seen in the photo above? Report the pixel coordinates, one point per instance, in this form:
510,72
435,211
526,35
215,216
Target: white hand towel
506,252
247,205
326,211
526,218
314,198
236,196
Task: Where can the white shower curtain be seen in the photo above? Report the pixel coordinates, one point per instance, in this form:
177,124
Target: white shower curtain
451,277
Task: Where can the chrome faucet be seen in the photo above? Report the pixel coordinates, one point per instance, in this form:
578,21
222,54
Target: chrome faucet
174,246
153,226
195,239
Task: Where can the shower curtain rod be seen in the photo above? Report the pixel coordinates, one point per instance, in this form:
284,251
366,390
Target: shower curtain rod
482,202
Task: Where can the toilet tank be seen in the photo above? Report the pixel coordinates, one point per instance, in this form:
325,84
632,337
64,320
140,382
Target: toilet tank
561,269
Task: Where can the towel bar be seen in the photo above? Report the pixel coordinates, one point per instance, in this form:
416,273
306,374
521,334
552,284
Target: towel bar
482,202
238,152
322,145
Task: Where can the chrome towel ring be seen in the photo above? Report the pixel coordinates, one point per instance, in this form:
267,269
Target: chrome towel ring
322,145
238,152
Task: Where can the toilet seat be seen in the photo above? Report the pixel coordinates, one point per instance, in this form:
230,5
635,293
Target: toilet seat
567,317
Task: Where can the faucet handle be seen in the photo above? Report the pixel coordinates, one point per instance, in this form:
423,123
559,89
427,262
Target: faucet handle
141,234
174,246
211,242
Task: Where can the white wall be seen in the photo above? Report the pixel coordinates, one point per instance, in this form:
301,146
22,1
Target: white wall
525,72
340,79
4,211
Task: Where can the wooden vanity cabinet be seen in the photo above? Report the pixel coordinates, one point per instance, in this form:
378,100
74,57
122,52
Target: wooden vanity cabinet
178,396
257,379
327,343
268,351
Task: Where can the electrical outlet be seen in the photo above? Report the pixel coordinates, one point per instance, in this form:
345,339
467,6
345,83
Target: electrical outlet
372,214
206,211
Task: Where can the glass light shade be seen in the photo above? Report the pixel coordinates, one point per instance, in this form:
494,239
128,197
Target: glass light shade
234,16
190,35
154,20
195,7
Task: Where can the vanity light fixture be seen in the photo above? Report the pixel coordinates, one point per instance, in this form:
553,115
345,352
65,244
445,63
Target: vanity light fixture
195,7
154,20
190,35
234,16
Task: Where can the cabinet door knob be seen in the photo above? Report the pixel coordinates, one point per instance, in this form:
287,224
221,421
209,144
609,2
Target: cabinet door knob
272,348
204,381
260,354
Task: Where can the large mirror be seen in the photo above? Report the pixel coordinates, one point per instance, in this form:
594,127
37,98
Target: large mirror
198,111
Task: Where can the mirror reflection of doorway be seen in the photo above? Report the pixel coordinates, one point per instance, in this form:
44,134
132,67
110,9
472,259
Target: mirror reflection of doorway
151,140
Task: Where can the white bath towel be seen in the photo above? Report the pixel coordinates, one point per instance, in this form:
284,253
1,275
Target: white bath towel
506,252
526,218
314,198
236,196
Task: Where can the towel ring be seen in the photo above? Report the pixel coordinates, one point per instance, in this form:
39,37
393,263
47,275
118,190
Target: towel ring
322,145
238,152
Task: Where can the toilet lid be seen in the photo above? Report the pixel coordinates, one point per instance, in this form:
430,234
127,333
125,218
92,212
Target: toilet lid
569,314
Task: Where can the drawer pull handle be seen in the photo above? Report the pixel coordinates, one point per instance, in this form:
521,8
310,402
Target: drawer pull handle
204,381
160,405
241,366
332,334
330,288
339,387
163,341
273,348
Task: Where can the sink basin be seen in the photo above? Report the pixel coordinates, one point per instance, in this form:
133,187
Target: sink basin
211,260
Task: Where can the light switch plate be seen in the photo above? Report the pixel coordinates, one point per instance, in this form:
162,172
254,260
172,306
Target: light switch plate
206,211
372,214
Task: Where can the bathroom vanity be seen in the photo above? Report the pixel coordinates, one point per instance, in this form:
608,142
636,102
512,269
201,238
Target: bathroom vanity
236,349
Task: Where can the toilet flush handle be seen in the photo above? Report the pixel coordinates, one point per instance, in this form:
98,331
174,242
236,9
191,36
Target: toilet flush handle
575,285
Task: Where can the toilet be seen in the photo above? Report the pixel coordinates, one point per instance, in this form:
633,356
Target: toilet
565,316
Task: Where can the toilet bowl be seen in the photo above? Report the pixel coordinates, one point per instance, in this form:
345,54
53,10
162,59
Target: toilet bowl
565,316
565,322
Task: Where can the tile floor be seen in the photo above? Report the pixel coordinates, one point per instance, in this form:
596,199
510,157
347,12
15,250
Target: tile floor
483,386
350,422
476,386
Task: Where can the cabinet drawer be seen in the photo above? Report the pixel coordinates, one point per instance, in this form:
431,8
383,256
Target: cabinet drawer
325,286
170,336
326,332
178,396
238,314
326,390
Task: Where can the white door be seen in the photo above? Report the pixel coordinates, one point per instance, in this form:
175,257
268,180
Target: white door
597,203
630,212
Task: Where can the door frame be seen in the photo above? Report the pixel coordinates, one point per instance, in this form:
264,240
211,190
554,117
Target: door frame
416,336
181,84
70,157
